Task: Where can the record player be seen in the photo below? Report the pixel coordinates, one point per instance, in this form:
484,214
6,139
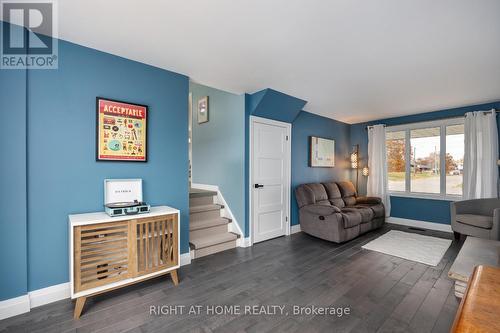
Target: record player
124,197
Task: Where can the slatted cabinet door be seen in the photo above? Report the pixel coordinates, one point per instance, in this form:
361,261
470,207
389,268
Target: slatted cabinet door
102,254
156,243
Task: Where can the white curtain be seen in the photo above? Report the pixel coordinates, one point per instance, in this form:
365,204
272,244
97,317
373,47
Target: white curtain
481,155
377,179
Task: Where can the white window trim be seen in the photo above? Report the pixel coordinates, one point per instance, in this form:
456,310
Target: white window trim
442,123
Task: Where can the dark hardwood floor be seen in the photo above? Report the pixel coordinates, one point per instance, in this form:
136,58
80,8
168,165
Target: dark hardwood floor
384,293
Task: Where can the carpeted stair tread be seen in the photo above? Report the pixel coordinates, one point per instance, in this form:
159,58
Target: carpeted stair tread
213,240
208,223
197,193
204,208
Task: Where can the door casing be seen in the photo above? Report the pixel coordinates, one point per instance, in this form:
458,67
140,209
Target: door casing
288,126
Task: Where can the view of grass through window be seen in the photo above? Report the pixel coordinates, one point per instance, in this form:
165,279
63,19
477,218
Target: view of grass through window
425,159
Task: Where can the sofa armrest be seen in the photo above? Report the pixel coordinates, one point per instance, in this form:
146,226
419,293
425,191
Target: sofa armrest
495,230
464,206
368,200
476,206
320,209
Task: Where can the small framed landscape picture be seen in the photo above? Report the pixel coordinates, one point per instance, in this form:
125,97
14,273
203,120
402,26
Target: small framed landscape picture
322,152
203,110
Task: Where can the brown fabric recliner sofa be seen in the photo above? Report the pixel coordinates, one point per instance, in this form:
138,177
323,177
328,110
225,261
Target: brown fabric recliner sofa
334,212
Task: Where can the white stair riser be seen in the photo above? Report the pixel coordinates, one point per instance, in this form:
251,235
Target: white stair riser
214,249
202,216
200,201
196,234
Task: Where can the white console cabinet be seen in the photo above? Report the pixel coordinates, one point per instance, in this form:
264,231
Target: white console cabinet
112,252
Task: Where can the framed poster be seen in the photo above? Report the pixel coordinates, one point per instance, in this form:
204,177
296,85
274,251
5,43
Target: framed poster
203,110
121,131
322,152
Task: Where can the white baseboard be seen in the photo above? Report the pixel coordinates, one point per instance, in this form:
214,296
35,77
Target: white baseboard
50,294
185,259
243,242
22,304
294,229
14,306
419,224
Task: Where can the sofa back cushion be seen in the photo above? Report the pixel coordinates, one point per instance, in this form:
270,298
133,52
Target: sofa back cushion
309,194
320,196
334,195
348,192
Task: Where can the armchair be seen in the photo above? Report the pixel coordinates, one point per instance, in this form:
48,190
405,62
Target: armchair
476,217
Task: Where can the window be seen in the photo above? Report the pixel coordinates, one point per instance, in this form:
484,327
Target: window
426,159
425,151
395,147
454,159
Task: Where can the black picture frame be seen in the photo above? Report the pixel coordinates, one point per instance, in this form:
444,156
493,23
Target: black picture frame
97,99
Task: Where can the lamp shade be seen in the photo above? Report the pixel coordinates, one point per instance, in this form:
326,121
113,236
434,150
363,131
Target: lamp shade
354,160
365,171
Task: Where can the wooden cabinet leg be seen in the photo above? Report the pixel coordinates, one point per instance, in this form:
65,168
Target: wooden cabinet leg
80,302
175,277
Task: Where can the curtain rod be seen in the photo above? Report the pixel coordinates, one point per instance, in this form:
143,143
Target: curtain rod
425,121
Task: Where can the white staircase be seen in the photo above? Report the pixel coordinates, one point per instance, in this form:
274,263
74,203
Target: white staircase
208,231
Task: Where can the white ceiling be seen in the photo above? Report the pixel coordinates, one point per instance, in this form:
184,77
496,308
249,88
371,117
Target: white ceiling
352,60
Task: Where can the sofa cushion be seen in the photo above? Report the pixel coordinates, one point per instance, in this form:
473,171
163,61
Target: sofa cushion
378,209
320,196
480,221
320,210
365,212
348,192
304,196
351,218
310,194
368,200
334,195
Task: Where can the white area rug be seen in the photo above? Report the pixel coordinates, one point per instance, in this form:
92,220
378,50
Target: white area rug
425,249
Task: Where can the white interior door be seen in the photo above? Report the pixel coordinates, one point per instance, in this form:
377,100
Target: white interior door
270,178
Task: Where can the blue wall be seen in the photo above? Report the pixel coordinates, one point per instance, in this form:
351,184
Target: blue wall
217,151
62,174
272,104
13,243
305,125
430,210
